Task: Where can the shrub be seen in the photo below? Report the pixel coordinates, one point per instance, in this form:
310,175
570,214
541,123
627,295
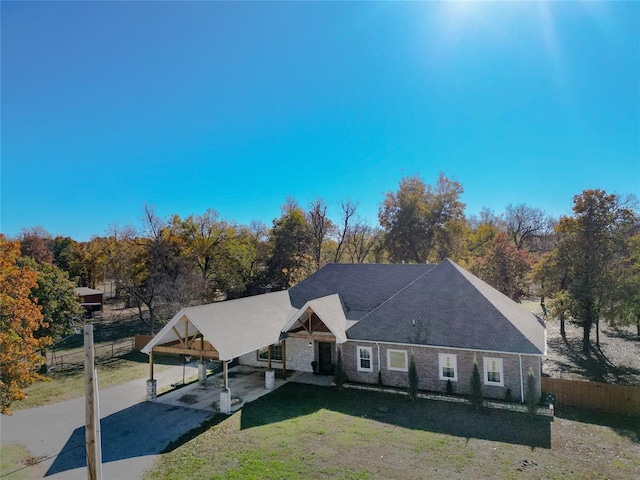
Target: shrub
339,374
380,378
532,398
449,388
413,379
475,397
508,396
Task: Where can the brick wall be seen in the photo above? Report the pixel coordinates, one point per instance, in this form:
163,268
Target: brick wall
427,366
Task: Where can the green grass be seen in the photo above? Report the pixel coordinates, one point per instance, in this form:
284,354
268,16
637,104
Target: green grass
303,431
17,464
70,383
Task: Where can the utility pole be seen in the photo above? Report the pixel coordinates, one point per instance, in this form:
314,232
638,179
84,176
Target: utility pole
92,411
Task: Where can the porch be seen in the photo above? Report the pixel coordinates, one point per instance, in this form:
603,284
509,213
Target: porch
245,383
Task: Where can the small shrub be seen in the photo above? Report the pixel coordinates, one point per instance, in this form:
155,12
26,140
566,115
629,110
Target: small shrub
413,379
449,388
380,378
476,397
508,396
532,398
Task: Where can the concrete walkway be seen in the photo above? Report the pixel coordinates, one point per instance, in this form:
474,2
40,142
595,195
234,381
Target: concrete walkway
134,432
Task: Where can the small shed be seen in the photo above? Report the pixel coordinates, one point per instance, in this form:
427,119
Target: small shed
92,300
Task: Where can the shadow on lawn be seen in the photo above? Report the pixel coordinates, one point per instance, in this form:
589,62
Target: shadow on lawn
594,366
143,429
296,400
625,426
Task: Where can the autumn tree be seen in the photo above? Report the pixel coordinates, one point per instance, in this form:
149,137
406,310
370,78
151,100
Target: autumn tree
589,244
20,317
504,267
34,243
55,294
291,239
421,221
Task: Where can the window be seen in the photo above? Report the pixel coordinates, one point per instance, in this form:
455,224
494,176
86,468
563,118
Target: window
276,353
397,360
365,363
493,373
448,367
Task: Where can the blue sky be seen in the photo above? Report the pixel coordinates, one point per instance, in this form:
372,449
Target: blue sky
107,106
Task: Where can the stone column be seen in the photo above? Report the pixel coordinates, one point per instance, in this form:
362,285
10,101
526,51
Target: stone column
269,379
202,372
152,390
225,401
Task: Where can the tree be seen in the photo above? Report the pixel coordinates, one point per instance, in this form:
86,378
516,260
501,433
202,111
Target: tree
321,227
504,267
413,379
532,398
20,317
34,243
524,223
290,260
476,396
590,243
420,220
55,294
623,304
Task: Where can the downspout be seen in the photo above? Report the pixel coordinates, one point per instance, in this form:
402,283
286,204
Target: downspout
378,345
521,382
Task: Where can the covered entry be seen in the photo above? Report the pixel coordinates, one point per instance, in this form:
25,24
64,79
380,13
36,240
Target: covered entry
321,323
221,331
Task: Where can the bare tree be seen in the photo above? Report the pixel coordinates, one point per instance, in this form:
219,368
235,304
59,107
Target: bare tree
524,223
361,240
320,226
348,211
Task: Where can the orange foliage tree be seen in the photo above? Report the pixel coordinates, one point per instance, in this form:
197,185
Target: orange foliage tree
20,316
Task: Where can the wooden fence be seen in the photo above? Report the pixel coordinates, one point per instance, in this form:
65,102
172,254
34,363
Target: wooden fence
141,341
603,397
66,361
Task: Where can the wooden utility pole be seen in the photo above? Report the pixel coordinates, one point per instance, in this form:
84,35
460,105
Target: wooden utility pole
92,411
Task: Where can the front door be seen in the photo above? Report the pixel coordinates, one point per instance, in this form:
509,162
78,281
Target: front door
324,358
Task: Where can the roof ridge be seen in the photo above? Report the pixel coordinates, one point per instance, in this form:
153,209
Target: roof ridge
400,291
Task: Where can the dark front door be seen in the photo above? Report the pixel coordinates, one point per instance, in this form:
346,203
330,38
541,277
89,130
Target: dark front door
324,358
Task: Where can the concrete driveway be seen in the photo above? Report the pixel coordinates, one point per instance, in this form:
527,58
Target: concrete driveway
134,432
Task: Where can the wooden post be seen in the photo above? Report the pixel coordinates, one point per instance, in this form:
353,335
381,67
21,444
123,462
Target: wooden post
92,415
151,365
269,357
226,375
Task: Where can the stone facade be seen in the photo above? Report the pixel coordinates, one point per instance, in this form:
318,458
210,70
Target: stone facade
427,366
299,355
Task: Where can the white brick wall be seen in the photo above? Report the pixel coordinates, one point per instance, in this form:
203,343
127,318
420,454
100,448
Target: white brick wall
299,355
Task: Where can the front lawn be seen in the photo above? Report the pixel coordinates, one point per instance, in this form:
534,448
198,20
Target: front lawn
303,431
70,383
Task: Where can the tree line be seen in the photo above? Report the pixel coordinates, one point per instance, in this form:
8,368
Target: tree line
584,266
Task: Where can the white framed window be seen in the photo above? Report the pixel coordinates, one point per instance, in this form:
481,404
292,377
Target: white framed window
397,360
448,366
276,353
493,371
365,359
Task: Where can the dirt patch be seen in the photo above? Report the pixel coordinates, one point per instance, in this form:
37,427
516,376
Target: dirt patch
616,361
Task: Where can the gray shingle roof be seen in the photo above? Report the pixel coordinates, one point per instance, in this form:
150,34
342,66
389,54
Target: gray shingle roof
362,287
453,308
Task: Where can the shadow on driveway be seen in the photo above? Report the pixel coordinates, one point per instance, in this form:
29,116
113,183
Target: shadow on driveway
144,429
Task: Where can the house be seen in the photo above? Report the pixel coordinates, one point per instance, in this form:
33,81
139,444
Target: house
91,299
379,317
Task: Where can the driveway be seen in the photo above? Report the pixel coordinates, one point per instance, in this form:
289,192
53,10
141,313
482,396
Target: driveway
133,431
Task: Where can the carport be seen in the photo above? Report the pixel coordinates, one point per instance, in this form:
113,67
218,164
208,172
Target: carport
222,331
